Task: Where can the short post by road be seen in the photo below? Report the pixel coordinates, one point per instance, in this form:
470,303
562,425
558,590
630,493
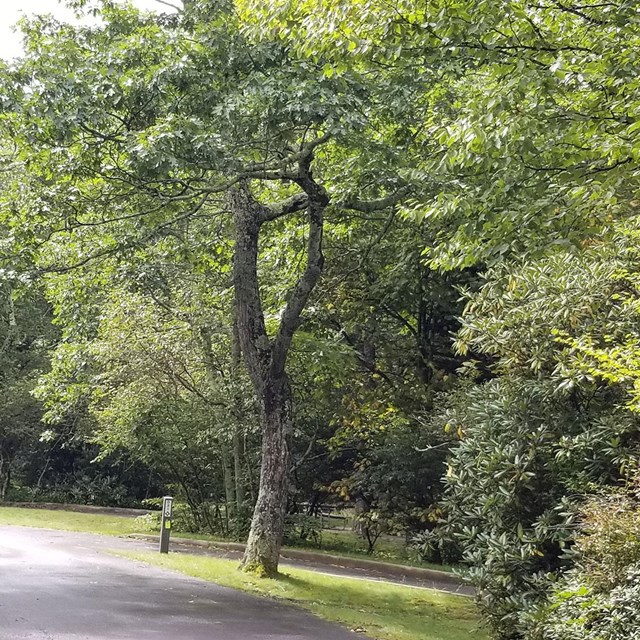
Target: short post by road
165,526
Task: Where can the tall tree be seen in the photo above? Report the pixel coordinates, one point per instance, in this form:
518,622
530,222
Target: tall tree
131,128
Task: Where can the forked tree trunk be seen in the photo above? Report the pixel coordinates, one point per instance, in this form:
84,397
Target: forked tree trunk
264,541
266,357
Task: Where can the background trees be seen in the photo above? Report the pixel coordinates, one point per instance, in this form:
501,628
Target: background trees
25,337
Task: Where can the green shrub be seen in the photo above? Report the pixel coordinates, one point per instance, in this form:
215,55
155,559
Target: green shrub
202,518
303,528
149,521
578,612
433,548
610,540
600,598
525,450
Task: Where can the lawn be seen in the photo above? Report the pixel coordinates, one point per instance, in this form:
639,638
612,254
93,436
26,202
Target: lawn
69,521
381,611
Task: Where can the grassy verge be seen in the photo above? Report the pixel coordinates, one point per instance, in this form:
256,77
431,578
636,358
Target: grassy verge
388,549
382,611
343,543
69,521
347,545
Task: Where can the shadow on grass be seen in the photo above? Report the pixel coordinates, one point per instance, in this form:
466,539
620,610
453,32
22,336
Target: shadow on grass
395,612
381,598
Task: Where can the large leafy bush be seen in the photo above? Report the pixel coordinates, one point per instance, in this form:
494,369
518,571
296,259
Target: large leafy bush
600,598
546,422
526,451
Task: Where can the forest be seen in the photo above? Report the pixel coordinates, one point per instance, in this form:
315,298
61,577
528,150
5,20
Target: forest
283,259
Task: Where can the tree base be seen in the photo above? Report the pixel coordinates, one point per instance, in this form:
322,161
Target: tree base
259,569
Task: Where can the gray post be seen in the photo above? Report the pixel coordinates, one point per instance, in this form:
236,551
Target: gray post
165,526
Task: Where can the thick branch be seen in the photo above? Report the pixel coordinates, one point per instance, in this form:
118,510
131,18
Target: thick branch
369,206
254,341
298,298
298,202
577,12
280,169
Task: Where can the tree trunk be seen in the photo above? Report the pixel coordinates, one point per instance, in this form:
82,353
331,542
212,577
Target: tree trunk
229,482
229,479
266,357
238,455
263,545
5,478
267,525
237,440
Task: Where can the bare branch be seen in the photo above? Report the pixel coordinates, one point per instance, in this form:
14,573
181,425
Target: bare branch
168,4
307,453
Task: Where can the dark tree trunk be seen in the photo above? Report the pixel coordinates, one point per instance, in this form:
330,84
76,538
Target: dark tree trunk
266,357
238,455
5,477
228,450
237,440
267,524
229,482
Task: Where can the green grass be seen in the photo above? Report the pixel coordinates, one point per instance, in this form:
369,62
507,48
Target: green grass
69,521
387,549
382,611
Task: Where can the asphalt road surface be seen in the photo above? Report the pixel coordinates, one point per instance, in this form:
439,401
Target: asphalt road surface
56,585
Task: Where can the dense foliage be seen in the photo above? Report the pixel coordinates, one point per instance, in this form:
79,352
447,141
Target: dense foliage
599,597
281,257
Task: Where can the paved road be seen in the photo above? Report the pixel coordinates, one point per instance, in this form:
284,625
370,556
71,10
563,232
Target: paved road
56,585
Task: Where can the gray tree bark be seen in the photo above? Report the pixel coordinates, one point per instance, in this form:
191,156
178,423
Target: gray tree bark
266,358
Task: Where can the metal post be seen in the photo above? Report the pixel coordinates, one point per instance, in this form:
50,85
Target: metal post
165,526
